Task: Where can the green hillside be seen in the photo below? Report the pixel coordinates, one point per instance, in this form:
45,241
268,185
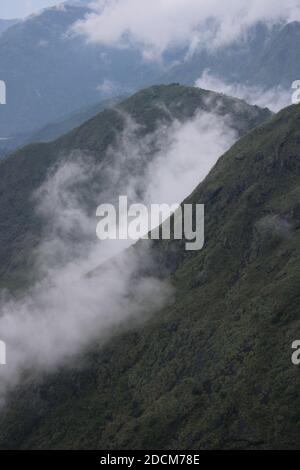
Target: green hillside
24,171
213,370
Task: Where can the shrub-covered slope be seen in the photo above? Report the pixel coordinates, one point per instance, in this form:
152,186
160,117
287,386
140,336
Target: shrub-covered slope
213,370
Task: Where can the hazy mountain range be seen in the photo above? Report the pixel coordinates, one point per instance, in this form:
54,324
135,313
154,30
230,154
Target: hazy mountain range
266,58
51,73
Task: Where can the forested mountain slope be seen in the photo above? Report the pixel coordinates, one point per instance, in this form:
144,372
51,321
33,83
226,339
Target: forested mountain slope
213,370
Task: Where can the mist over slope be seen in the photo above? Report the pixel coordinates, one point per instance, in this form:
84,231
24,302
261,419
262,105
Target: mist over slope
213,370
51,308
99,142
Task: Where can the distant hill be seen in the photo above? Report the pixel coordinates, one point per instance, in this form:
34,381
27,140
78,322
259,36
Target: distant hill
56,129
50,75
265,57
278,63
5,24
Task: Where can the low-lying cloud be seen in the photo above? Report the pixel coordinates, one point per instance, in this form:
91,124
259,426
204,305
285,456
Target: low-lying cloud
274,98
83,293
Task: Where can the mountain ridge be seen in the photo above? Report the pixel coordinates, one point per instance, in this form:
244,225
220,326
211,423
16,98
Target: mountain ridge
27,168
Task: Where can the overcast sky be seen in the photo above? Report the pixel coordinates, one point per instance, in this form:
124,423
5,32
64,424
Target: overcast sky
21,8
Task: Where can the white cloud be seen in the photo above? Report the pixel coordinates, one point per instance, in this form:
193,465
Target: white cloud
193,149
68,309
109,88
159,24
273,98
